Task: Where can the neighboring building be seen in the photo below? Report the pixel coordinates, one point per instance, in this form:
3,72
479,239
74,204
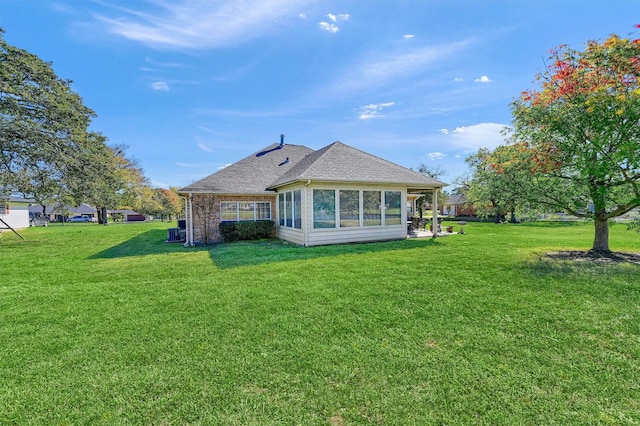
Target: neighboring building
337,194
14,212
58,214
457,205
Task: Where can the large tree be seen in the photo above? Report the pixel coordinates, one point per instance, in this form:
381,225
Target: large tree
42,123
46,148
581,132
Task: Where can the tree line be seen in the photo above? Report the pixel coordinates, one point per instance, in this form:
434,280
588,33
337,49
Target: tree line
48,152
574,143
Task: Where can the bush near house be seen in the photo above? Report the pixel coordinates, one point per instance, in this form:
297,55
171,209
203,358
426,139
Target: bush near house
249,230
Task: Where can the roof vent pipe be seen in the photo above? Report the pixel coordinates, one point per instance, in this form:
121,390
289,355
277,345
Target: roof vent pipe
281,139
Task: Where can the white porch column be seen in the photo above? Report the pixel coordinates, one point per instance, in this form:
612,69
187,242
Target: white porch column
434,210
188,207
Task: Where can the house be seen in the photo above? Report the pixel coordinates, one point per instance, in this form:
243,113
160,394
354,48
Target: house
60,214
14,212
457,205
337,194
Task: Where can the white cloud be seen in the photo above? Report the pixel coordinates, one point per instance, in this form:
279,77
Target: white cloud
344,16
179,24
370,111
164,64
302,15
474,137
483,79
160,86
332,17
433,156
205,147
329,27
458,79
408,36
382,68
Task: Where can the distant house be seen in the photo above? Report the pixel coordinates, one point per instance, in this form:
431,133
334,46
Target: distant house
457,205
14,212
337,194
57,214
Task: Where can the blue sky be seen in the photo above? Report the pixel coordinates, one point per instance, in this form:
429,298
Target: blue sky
191,86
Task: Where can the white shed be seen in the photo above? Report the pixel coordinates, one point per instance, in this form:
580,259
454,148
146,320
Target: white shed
14,212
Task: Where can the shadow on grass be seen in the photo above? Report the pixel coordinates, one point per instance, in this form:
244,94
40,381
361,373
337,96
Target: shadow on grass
249,253
146,243
546,265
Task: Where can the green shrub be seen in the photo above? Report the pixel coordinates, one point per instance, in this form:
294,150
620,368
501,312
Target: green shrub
236,231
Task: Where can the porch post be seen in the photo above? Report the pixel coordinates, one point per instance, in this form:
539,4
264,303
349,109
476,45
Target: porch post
188,207
434,210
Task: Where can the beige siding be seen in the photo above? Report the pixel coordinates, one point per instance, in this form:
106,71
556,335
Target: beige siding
309,236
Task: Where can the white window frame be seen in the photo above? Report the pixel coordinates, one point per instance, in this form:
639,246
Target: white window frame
237,210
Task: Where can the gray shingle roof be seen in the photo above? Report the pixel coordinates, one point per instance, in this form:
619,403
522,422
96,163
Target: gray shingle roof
335,162
252,174
340,162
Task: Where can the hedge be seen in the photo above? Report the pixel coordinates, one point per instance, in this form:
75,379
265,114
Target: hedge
249,230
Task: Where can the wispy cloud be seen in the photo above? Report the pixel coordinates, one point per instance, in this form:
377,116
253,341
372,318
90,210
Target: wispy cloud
160,86
408,36
178,24
434,156
204,147
379,69
370,111
164,64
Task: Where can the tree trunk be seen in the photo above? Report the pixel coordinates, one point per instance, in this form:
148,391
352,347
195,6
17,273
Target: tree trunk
601,239
105,216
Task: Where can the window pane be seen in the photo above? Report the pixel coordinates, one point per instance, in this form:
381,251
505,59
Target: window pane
393,208
371,206
281,208
263,211
297,204
288,209
228,211
349,208
324,208
246,210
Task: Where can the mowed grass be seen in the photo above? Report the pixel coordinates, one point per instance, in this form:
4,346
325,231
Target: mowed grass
110,325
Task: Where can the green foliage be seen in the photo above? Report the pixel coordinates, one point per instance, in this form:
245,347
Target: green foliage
580,133
46,149
247,230
112,326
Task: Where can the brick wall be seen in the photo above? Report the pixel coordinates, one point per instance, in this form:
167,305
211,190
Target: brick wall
206,214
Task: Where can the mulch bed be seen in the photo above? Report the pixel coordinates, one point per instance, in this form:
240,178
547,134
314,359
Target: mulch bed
589,256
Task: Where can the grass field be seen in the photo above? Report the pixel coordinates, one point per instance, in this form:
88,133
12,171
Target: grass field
110,325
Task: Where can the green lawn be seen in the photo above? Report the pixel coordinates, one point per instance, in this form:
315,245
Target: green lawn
110,325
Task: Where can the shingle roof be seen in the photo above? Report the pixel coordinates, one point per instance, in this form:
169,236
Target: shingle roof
340,162
335,162
252,174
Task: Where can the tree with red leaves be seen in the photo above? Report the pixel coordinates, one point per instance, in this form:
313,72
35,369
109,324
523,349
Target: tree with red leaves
582,132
